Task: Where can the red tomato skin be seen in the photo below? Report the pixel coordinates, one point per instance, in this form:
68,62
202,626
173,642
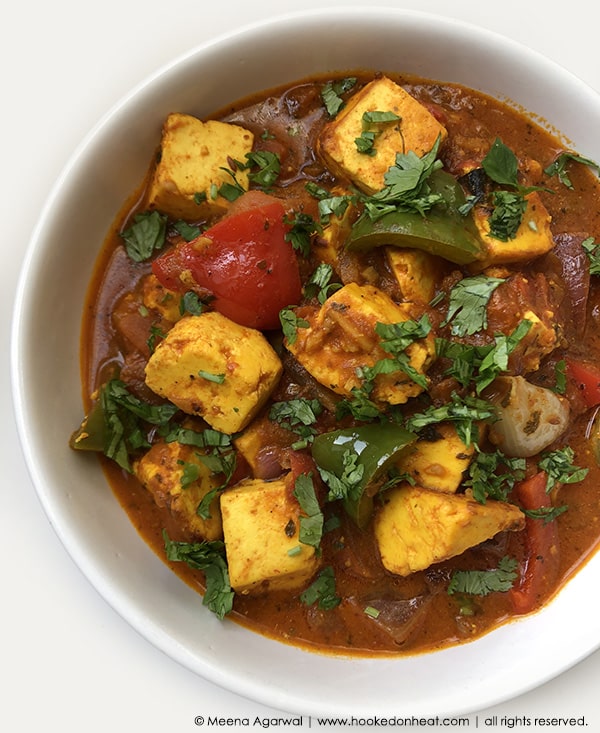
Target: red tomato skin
541,544
244,261
587,378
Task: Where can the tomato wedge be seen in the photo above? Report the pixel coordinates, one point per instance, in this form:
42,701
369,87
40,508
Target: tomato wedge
541,545
244,262
587,378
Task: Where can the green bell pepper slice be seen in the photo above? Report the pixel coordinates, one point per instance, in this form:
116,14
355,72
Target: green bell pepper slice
442,231
91,434
370,450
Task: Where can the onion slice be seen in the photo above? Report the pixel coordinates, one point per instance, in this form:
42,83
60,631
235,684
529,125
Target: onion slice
530,417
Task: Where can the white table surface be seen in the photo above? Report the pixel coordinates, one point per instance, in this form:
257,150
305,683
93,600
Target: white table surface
68,662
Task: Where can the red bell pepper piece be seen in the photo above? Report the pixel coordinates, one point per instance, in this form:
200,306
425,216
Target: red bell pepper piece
587,378
542,556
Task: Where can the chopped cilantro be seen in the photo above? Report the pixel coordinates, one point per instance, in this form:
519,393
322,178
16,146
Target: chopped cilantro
480,365
188,231
319,285
311,524
210,558
303,226
264,168
191,303
592,250
493,475
366,142
467,308
350,481
559,167
507,214
558,465
331,94
290,322
126,421
463,412
484,582
146,235
210,377
406,186
322,591
297,415
545,513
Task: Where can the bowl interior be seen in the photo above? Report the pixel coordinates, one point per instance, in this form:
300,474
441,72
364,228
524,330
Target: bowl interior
101,174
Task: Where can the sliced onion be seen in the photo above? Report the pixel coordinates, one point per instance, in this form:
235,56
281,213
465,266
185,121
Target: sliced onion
530,417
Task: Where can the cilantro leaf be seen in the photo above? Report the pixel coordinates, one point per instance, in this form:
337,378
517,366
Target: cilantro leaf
297,415
592,250
463,412
303,226
146,234
322,591
501,164
290,322
350,482
468,304
559,167
484,582
558,465
331,94
507,214
127,421
311,525
493,475
210,558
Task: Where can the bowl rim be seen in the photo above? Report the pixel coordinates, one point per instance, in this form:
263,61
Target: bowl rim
255,689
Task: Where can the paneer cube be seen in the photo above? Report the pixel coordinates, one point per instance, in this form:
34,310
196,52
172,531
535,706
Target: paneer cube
193,164
417,273
261,445
159,299
438,459
331,241
261,524
417,527
417,130
532,239
341,338
210,366
178,480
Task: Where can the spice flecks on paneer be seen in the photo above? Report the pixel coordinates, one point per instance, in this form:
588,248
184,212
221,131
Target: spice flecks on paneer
438,459
261,524
193,164
210,366
532,239
163,470
417,527
417,273
158,298
417,130
341,338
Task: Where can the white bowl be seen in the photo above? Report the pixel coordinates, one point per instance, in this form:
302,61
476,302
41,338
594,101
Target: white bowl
95,530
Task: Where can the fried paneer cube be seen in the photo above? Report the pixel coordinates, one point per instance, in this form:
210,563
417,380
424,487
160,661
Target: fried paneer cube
210,366
178,479
192,166
417,527
417,273
438,459
261,524
341,338
161,300
416,130
533,238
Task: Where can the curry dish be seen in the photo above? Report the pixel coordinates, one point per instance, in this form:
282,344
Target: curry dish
340,361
